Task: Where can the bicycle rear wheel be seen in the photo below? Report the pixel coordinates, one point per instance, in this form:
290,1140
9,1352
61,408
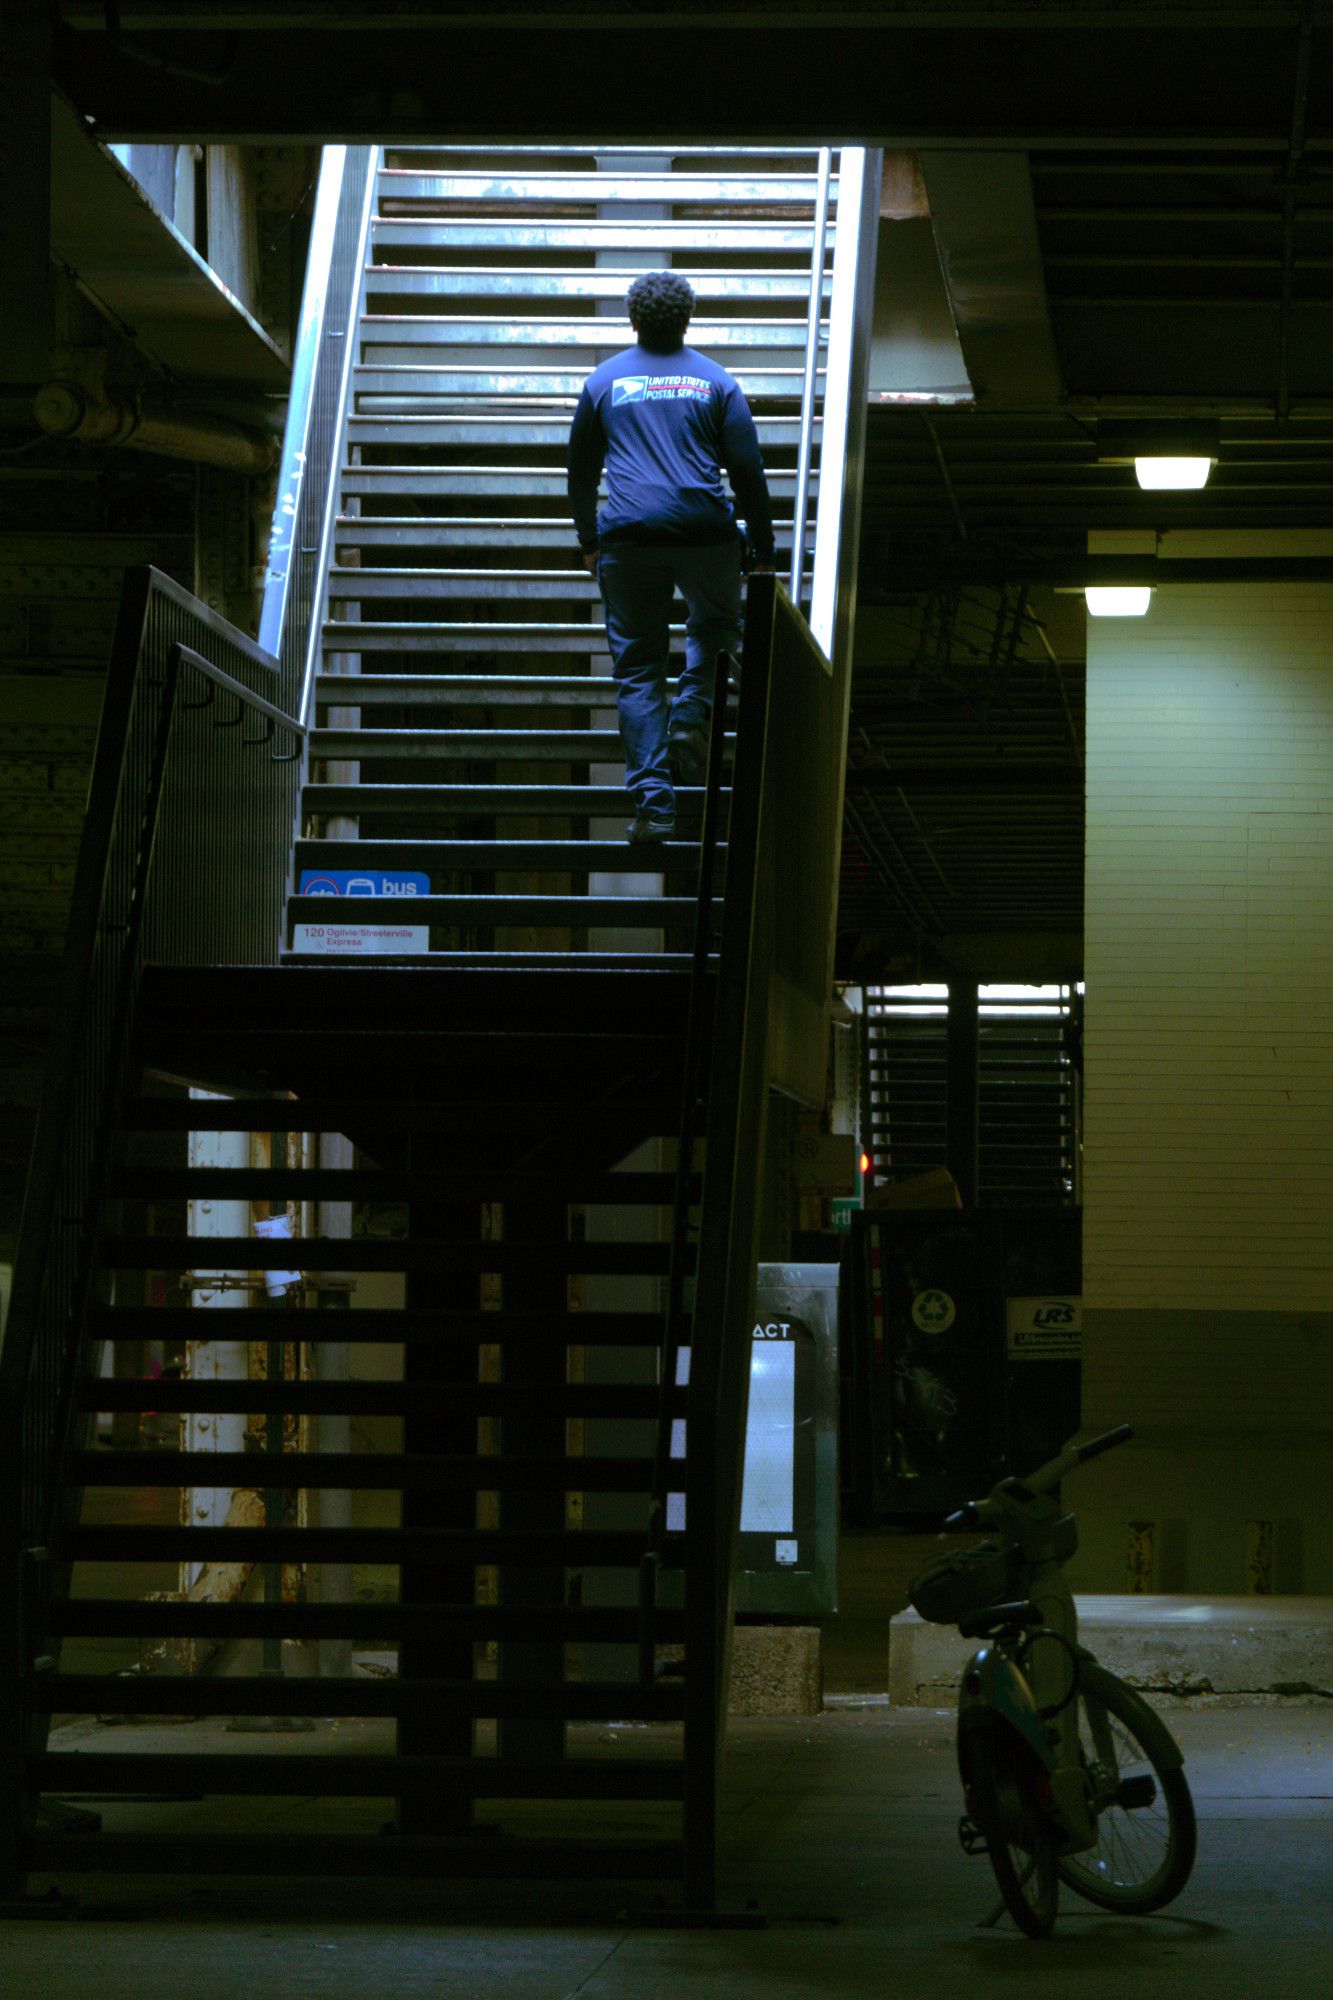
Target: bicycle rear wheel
1020,1839
1146,1833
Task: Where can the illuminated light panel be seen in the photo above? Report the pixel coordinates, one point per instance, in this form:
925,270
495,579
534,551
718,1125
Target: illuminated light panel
1159,475
1116,600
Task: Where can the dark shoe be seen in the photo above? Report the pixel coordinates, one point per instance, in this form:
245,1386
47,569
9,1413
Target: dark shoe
647,828
687,755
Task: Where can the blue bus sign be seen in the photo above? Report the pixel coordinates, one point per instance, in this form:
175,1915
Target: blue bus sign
361,882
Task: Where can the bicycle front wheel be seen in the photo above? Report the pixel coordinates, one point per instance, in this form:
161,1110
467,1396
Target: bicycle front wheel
1019,1836
1146,1833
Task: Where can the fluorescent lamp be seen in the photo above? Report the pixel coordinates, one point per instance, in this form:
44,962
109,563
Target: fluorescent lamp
1163,474
1117,600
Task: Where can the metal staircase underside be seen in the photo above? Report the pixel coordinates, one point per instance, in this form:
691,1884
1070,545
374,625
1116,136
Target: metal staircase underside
404,1507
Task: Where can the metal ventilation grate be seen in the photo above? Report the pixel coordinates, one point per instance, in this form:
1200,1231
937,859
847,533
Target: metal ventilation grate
1029,1089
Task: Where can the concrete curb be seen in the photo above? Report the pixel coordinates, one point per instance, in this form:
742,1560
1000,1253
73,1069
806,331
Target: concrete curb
1170,1645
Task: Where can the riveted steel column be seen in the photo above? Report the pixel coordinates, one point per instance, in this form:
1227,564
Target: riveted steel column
25,190
964,1087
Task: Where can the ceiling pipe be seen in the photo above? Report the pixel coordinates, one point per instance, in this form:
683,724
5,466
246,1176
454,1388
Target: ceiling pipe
68,409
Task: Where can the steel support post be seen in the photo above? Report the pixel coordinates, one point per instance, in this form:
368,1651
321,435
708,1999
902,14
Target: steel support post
964,1117
25,190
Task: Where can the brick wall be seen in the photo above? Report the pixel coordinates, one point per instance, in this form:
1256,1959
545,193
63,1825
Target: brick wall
1208,1168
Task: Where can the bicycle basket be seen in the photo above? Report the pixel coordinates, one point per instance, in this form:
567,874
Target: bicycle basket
963,1583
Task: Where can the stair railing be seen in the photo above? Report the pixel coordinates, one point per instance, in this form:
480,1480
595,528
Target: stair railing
813,329
694,1066
773,982
300,546
183,860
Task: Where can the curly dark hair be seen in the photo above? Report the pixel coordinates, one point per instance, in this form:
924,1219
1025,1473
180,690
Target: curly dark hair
660,304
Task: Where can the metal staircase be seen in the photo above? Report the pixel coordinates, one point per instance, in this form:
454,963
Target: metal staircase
479,746
459,1503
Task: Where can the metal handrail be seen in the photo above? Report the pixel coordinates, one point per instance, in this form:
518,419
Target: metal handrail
814,318
166,780
321,365
338,428
694,1065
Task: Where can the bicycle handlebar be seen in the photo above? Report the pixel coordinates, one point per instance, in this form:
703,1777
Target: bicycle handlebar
1106,1442
975,1513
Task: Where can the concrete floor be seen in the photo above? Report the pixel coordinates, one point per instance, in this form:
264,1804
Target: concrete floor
839,1829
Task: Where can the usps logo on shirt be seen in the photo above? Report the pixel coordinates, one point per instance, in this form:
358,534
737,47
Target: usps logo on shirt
629,389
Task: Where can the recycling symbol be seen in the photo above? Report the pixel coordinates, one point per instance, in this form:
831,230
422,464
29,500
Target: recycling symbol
933,1311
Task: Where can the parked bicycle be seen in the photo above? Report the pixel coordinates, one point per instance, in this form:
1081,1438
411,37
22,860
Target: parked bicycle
1068,1775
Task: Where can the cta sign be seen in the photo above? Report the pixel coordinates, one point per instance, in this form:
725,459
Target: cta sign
1045,1329
361,882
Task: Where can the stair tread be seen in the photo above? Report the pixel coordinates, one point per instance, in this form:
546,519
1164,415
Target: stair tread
373,1398
163,1252
367,1471
550,1549
498,856
631,1857
393,1323
517,907
328,1695
355,1774
359,1621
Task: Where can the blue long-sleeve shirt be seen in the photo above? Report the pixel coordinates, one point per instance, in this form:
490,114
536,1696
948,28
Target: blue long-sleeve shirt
665,426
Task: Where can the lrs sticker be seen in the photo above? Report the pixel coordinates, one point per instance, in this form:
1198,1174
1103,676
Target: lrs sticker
1045,1329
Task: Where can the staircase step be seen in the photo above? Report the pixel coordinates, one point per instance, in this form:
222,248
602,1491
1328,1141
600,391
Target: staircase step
368,1624
339,1184
626,913
306,1114
414,339
365,1472
496,857
409,1856
432,637
328,1695
381,1399
575,1548
599,746
439,1327
508,801
496,690
422,382
532,186
406,234
507,962
518,283
291,1774
510,585
376,1253
535,427
477,531
376,482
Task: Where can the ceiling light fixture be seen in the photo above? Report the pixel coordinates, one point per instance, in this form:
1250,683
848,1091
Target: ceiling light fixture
1166,474
1118,600
1170,456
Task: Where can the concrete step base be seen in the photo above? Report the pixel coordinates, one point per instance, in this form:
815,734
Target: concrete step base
1167,1645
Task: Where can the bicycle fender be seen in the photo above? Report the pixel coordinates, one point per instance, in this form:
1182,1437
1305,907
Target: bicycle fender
1152,1732
993,1690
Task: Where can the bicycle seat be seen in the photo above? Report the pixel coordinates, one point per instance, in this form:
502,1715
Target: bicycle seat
998,1618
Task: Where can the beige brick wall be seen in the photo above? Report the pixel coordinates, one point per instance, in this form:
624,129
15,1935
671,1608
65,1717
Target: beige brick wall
1208,1168
1209,952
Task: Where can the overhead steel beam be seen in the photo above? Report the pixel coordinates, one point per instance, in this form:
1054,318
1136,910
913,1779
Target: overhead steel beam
986,228
882,77
365,16
25,189
978,566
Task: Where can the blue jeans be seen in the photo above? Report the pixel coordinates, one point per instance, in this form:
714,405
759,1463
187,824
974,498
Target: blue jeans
637,585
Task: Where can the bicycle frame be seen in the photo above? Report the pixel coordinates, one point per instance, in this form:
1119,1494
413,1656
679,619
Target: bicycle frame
1028,1686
